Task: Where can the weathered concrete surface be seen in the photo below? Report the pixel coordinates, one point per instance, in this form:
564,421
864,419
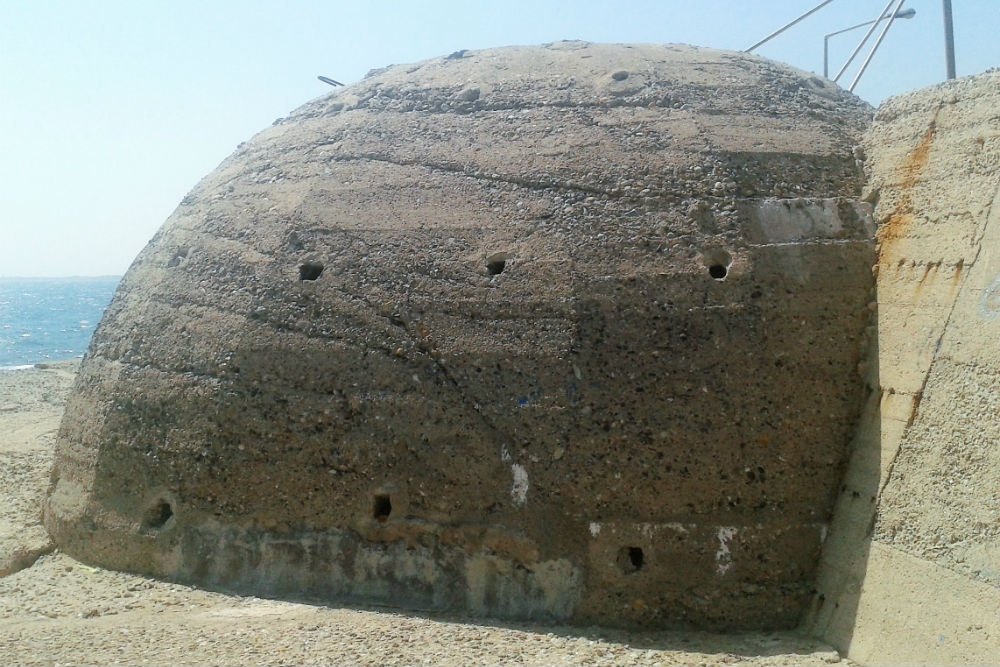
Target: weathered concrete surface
568,332
28,410
911,572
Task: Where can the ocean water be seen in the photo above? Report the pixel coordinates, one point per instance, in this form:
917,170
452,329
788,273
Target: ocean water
50,319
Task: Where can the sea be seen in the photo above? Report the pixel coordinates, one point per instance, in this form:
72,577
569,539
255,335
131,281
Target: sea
50,319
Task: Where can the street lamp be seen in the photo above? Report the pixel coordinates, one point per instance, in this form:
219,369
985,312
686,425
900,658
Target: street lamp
903,14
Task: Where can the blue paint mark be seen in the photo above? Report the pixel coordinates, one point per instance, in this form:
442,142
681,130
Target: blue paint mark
533,397
989,303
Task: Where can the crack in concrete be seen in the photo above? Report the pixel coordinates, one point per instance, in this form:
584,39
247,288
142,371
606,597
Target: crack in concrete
499,437
566,185
919,394
529,184
896,226
697,99
811,242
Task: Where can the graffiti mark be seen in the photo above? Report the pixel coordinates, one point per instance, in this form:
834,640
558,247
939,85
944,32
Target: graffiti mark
989,302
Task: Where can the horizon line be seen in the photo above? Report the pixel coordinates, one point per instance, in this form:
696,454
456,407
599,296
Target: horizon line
100,275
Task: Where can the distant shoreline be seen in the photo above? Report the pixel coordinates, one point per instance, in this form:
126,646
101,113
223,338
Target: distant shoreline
109,276
43,365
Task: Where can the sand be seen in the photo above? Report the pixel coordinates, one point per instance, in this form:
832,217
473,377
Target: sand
55,610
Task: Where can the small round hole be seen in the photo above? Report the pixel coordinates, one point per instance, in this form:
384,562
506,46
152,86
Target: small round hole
310,271
496,263
381,507
717,261
178,257
157,515
630,559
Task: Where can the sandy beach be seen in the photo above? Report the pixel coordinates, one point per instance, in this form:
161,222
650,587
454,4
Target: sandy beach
55,610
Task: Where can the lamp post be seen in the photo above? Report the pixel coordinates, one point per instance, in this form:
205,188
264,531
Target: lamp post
903,14
949,40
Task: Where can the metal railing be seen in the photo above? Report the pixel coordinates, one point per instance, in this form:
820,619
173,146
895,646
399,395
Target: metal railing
885,14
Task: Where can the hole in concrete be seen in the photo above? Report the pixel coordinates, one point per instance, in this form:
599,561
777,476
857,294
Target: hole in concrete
381,507
630,559
178,257
310,271
157,515
496,263
717,261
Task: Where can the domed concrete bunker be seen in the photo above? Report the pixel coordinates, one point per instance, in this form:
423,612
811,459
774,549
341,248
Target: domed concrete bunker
566,333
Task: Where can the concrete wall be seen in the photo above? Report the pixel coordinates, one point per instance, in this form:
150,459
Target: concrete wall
911,571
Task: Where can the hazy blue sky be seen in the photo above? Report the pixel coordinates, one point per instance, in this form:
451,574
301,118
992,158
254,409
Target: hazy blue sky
111,110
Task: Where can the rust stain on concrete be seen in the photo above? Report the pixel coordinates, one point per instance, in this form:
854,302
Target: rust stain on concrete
959,267
898,224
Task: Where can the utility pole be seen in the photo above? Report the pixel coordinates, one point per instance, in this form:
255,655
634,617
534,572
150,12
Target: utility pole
949,40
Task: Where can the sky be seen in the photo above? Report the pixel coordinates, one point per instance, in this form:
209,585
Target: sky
112,110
